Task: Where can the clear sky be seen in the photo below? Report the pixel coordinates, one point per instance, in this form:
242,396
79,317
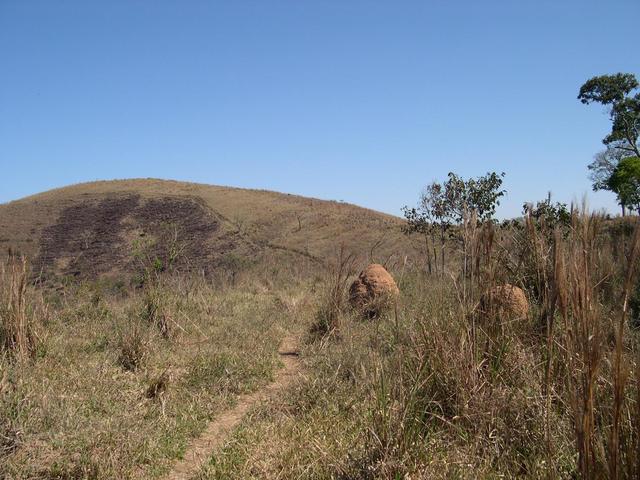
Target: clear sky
361,101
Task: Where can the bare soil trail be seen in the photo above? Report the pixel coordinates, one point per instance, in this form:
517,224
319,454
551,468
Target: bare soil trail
219,429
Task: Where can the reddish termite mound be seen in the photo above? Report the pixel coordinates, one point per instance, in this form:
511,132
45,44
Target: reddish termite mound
506,302
373,290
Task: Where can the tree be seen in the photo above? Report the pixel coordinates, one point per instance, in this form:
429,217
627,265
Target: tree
617,93
453,202
625,182
603,166
550,214
479,196
431,218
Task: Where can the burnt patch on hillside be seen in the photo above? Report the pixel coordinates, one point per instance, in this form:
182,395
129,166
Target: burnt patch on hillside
86,239
128,233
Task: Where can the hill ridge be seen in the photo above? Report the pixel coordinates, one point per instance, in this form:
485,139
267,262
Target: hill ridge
92,228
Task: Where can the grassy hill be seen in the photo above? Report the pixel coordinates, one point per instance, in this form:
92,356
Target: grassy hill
118,382
98,228
139,381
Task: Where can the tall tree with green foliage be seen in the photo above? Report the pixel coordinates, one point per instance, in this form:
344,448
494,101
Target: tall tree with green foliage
617,93
625,182
620,93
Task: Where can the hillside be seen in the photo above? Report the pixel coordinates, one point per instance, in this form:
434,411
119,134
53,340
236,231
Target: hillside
98,228
273,373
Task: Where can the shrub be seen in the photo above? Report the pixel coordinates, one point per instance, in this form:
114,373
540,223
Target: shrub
133,348
158,386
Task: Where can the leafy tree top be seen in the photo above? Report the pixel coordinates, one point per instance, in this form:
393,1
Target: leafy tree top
449,203
549,213
616,91
607,89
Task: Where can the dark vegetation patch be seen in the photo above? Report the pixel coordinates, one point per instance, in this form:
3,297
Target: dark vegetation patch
127,233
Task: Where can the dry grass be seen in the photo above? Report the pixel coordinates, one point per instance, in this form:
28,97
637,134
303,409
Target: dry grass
133,347
597,355
434,393
20,309
431,390
333,303
77,413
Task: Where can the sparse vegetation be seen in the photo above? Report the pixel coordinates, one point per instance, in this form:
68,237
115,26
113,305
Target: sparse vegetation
112,398
516,357
440,393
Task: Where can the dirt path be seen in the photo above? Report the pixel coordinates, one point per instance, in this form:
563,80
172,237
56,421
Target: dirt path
218,430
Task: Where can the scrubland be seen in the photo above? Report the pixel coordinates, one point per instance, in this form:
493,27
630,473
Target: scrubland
111,379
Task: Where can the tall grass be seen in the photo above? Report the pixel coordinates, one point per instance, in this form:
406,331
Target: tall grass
599,358
553,387
19,309
438,390
333,300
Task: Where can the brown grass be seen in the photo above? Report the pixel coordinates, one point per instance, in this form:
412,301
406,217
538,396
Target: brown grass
334,298
597,355
435,394
430,390
20,310
110,397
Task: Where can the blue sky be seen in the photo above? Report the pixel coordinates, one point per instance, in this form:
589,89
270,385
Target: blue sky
361,101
